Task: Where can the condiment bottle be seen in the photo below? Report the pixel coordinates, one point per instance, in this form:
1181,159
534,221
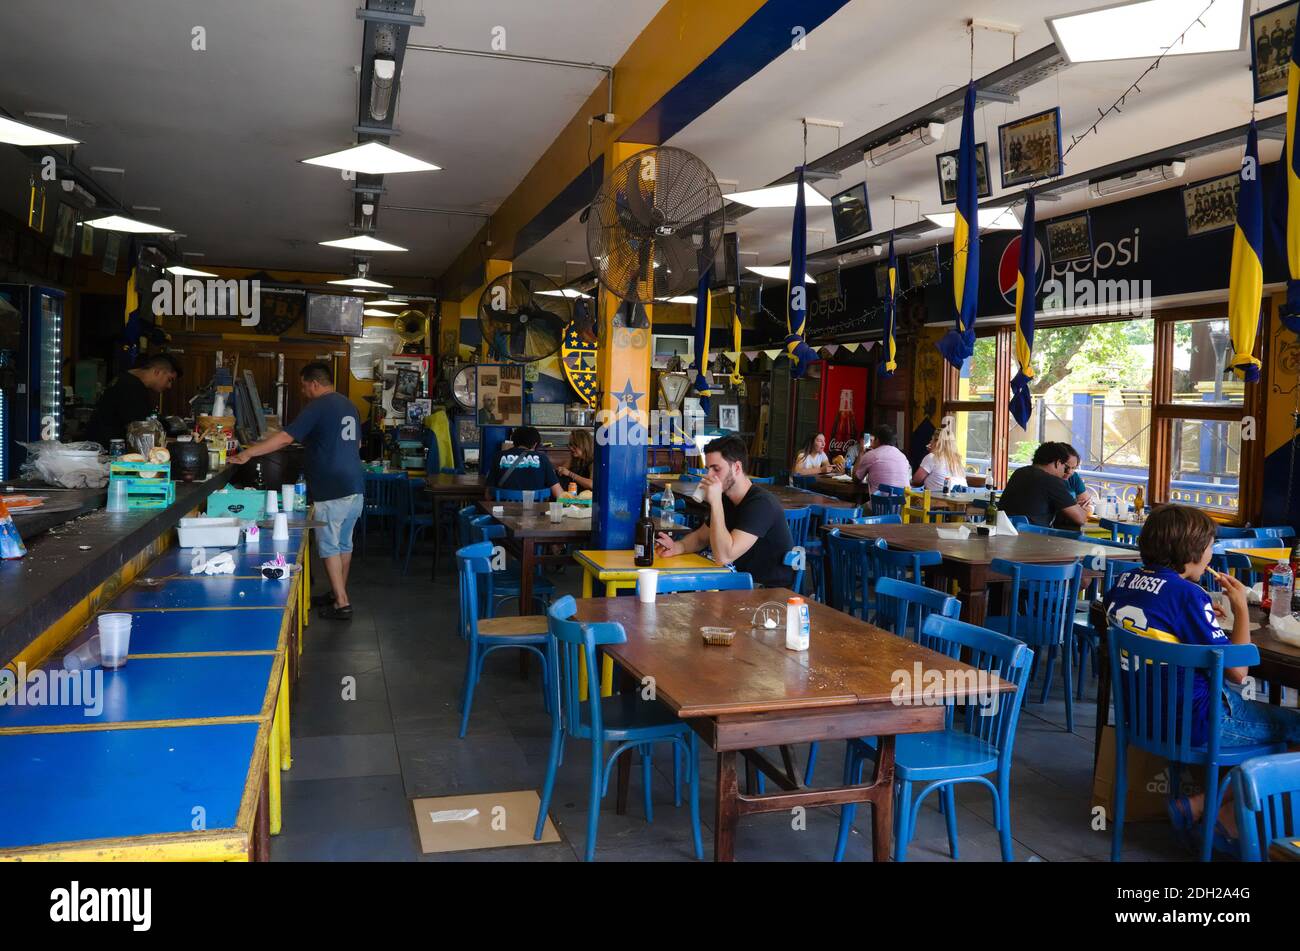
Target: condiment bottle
797,624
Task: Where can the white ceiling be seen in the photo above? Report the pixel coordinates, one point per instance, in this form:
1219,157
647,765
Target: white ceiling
214,138
874,61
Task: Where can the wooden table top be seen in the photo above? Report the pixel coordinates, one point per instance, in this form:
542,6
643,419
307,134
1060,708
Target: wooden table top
981,549
622,562
537,523
848,663
1270,648
448,483
788,496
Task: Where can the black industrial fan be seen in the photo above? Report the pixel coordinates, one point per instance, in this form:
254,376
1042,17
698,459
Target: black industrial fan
522,316
655,218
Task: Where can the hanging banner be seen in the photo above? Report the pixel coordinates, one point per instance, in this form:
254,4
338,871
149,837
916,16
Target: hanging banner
958,344
796,314
1022,403
1246,280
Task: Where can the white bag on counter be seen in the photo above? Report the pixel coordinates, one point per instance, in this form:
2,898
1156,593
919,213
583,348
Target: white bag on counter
70,465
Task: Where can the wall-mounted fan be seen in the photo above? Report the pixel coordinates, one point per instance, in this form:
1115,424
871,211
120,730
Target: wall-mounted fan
522,316
655,218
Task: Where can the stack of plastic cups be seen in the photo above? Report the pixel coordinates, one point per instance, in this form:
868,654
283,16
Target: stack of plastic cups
287,497
114,639
281,531
117,495
272,501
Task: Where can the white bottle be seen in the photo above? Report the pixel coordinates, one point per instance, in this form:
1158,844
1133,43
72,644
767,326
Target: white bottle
797,626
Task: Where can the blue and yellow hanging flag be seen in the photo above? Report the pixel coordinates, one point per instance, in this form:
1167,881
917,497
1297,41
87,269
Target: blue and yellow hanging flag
703,327
958,344
890,363
796,314
736,378
1246,283
1290,312
1022,403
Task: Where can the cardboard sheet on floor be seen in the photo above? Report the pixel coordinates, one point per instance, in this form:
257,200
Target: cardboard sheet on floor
481,821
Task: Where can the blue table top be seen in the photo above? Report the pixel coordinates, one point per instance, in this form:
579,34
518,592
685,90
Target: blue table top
67,787
205,592
247,562
168,688
196,632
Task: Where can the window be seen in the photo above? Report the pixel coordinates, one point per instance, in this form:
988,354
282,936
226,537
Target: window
1205,464
978,377
1202,349
974,432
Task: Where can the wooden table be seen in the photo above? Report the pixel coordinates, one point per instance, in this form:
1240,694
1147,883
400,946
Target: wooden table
1284,850
966,560
450,487
851,491
525,530
756,693
789,497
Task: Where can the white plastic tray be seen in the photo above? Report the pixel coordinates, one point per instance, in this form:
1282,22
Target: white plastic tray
209,532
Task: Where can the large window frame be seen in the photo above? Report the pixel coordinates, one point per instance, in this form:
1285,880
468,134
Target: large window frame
1165,413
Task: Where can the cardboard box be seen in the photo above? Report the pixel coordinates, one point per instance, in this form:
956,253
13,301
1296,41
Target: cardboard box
1148,782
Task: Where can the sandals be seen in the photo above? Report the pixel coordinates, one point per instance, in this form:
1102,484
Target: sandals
334,613
1188,830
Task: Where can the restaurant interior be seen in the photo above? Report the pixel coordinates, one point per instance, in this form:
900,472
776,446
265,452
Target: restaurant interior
416,442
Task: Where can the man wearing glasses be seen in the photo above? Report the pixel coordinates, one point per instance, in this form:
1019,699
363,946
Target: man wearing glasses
1040,491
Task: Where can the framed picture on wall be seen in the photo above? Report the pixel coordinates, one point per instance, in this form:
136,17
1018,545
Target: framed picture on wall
729,418
1272,32
947,165
1031,148
1069,239
923,268
1211,205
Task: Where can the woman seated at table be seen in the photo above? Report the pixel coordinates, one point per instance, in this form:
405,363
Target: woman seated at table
582,455
812,459
746,525
942,463
1163,600
523,465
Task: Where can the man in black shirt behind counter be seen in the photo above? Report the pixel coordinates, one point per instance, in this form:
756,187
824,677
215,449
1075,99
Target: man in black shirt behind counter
746,524
133,396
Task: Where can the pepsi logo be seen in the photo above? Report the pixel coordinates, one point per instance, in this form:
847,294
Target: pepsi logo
1009,268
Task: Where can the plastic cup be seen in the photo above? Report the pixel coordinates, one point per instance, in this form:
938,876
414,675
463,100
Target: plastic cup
498,510
281,531
647,585
84,657
272,501
114,639
117,495
556,512
286,498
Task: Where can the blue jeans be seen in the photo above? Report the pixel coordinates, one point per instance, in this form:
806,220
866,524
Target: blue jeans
1247,722
340,517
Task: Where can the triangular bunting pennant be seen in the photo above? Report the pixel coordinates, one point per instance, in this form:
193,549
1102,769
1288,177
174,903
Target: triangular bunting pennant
772,354
851,347
830,349
751,354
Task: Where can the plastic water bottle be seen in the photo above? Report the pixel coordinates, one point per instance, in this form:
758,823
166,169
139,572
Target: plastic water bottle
667,511
300,495
947,485
1279,589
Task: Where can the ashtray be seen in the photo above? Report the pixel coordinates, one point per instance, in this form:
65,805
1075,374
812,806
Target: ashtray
718,636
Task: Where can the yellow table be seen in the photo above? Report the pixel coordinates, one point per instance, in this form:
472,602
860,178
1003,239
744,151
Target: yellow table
1263,558
617,571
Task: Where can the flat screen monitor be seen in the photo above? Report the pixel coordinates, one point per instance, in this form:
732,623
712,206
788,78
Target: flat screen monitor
851,213
666,346
334,314
726,262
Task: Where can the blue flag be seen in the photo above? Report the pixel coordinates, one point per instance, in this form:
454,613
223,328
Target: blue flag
1022,403
890,363
796,314
958,344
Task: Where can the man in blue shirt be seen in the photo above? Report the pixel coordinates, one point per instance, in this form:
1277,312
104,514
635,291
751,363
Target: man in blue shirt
523,465
330,430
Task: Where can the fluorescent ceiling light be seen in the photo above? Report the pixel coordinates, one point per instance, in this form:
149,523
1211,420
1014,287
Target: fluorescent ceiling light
375,312
780,196
362,242
372,158
129,225
1145,29
570,292
684,298
385,303
780,272
187,271
991,219
22,134
359,282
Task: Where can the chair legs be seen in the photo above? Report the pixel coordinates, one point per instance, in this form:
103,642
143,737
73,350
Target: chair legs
812,764
948,802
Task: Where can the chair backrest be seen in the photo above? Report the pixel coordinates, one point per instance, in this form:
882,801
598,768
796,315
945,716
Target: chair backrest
1033,529
762,480
382,492
797,559
1222,561
1267,794
836,515
1231,531
902,565
902,607
803,481
916,505
1150,680
520,495
474,566
991,717
571,640
464,525
1019,521
673,582
1281,532
657,470
850,570
1121,531
1047,594
886,503
797,521
484,528
894,519
884,489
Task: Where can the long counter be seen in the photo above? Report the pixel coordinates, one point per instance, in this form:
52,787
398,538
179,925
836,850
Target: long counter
65,564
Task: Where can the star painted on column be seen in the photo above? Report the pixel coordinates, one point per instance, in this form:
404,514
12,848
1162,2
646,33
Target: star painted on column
629,397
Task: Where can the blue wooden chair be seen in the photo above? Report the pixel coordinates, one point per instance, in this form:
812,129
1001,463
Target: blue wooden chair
1266,797
1150,713
1047,595
623,719
1280,532
1086,639
658,470
1231,531
823,515
887,502
486,634
1032,529
417,522
506,585
1224,560
1121,531
521,495
803,481
902,565
675,582
762,480
971,747
798,520
465,516
850,568
878,520
1019,521
382,500
797,559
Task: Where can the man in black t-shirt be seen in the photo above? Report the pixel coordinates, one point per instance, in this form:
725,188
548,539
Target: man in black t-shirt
523,465
1040,491
132,397
746,524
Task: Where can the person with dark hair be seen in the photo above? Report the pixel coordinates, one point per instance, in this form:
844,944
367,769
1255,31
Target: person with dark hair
330,429
523,466
745,526
1163,600
1039,491
884,463
133,396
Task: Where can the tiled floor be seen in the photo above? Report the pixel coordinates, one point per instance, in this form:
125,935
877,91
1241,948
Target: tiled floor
375,724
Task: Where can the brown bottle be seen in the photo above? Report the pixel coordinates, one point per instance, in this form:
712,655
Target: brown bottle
643,538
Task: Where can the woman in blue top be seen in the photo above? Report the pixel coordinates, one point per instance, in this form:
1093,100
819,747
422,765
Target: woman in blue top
1163,600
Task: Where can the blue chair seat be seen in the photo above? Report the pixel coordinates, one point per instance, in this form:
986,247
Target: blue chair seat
927,757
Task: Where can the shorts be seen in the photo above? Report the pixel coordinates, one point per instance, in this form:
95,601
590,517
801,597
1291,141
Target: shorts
340,517
1247,722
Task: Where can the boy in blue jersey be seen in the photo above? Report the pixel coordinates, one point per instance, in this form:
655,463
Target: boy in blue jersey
1163,600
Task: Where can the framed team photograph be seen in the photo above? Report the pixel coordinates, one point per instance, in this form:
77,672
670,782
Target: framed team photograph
947,165
729,418
1069,238
1211,205
850,212
1272,32
1031,148
923,268
882,281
